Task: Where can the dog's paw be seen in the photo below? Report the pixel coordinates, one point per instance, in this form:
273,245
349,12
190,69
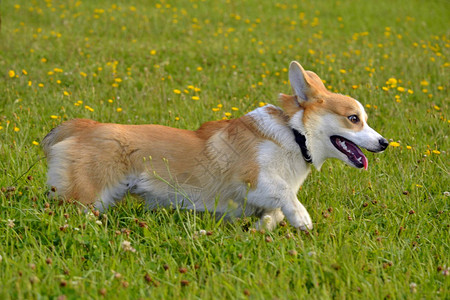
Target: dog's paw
305,223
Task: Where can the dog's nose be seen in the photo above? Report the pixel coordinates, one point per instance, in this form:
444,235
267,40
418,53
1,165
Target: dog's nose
383,143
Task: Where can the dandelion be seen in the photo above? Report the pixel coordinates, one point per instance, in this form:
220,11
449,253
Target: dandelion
436,152
126,246
119,109
228,114
343,71
408,147
16,129
83,74
261,104
89,108
177,118
44,60
436,107
35,143
66,93
24,72
234,108
394,144
191,87
196,89
12,74
118,79
195,98
153,52
215,109
54,117
424,83
29,83
199,69
176,91
401,89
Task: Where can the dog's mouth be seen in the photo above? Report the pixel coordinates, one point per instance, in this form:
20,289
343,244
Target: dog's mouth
352,151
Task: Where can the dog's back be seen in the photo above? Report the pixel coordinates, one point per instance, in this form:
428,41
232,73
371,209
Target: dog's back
64,131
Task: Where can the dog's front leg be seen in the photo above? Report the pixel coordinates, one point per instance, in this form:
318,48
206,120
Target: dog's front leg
296,213
272,196
270,219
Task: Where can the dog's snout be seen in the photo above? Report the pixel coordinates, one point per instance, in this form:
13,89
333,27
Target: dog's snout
383,143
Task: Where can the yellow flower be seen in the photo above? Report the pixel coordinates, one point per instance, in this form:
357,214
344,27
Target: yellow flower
177,91
66,93
436,107
83,74
54,117
153,52
58,81
385,88
418,185
191,87
196,89
195,98
219,105
35,143
401,89
410,91
199,69
58,70
118,79
16,129
29,83
24,72
343,71
1,127
354,86
12,74
235,108
110,101
261,104
119,109
436,152
43,59
41,85
177,119
215,109
394,144
228,114
408,147
424,83
89,108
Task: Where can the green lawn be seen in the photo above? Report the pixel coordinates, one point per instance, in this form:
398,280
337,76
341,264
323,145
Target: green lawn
378,234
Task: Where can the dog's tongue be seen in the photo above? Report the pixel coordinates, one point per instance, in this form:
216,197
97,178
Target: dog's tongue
353,152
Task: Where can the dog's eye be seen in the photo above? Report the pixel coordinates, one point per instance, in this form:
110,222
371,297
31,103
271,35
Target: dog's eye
354,119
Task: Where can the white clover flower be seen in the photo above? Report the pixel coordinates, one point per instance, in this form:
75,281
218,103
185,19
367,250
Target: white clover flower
202,232
98,222
126,246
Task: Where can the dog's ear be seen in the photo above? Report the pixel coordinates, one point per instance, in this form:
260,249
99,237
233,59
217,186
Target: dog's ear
306,84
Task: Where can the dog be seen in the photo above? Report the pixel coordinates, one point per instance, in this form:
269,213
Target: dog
253,165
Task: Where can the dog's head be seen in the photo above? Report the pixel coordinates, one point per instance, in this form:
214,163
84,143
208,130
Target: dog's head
335,125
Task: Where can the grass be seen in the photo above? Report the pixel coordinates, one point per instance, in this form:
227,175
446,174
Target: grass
380,233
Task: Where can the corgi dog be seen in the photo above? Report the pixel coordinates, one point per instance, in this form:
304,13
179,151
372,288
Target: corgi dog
253,165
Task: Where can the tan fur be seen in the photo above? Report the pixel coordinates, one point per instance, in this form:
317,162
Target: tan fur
103,154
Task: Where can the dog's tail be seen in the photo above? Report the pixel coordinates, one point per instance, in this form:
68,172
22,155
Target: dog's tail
64,131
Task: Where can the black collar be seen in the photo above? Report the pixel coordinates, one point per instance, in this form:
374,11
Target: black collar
300,139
